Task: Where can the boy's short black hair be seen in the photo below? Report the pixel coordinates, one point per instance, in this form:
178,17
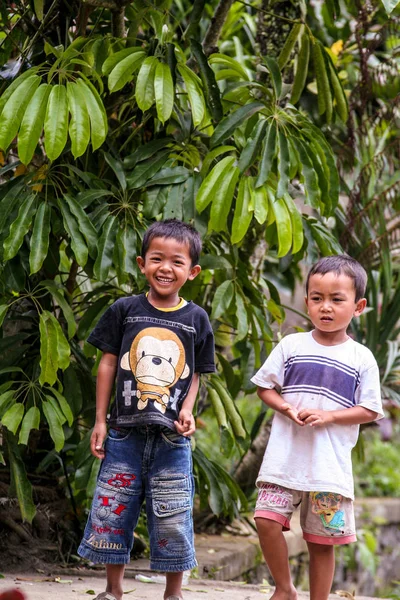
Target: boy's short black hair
341,264
179,231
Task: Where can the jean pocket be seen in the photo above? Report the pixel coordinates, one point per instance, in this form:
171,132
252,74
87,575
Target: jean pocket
168,506
119,434
174,439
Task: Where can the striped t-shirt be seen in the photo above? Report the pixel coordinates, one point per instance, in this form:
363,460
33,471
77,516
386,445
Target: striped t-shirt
308,374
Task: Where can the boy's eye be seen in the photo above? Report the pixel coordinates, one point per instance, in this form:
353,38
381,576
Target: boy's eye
338,300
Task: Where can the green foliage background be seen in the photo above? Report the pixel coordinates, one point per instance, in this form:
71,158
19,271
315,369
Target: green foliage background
115,114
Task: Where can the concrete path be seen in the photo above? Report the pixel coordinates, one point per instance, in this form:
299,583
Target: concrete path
65,587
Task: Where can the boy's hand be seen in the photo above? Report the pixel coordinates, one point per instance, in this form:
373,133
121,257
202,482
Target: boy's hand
315,417
186,425
97,438
292,413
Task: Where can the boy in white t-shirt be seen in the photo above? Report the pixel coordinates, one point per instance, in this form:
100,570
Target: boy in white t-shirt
322,385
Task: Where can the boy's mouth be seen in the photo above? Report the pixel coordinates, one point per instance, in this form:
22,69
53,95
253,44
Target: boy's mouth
326,319
164,280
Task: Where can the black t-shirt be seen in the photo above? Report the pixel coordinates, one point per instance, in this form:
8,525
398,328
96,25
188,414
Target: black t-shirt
158,353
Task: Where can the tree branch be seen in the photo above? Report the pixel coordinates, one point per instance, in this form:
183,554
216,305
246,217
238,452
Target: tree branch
214,31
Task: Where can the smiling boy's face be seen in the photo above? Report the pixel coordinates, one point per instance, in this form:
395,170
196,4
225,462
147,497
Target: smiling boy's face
167,266
331,305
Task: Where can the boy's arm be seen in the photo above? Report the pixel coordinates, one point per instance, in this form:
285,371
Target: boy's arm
346,416
186,425
104,385
271,398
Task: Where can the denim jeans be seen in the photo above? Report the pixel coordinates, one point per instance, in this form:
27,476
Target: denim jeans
150,463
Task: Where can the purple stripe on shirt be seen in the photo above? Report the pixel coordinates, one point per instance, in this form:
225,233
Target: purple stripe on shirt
318,377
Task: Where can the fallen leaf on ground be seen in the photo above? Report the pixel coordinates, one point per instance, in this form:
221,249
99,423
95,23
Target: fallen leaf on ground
345,594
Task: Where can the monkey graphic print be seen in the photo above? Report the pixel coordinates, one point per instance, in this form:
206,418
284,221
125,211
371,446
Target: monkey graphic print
158,354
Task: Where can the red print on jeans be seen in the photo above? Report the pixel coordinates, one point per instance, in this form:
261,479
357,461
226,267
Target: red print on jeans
104,511
122,480
162,543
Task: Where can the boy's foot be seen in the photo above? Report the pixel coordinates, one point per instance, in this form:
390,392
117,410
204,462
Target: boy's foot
174,598
280,595
105,596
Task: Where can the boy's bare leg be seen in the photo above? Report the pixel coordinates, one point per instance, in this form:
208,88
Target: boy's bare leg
174,584
322,568
274,548
115,575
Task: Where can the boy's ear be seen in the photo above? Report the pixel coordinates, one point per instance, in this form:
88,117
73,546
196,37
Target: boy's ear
140,262
360,307
194,271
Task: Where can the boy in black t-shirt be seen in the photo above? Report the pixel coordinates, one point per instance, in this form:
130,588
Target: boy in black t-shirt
156,345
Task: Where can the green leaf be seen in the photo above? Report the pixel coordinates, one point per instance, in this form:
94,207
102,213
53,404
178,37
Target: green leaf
126,251
289,45
19,481
275,73
144,92
283,164
63,347
146,151
14,109
40,237
297,223
213,95
212,155
122,73
173,206
195,94
208,186
146,170
56,122
118,169
56,430
268,154
57,294
228,125
77,242
253,146
222,299
222,200
169,175
243,215
301,68
13,417
163,91
3,312
312,190
390,5
15,84
283,225
97,113
56,406
114,59
106,245
79,124
85,225
19,227
31,421
48,349
229,63
241,315
32,123
260,204
5,399
65,407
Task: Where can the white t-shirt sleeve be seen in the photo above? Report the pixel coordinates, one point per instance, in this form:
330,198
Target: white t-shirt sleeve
368,392
270,375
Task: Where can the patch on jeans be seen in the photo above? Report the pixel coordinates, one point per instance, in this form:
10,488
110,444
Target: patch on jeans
167,506
108,505
327,505
103,544
271,495
121,480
